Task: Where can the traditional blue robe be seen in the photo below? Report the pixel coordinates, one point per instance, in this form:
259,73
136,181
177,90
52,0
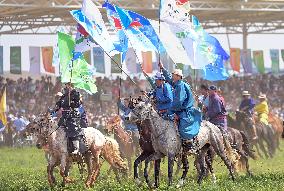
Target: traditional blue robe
183,107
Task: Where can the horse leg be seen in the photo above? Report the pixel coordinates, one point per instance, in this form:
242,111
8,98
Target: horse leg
262,148
185,166
95,166
157,173
141,158
171,160
89,166
63,165
209,163
66,172
258,150
152,157
179,164
201,161
50,167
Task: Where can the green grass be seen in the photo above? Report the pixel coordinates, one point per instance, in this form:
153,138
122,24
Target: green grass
25,169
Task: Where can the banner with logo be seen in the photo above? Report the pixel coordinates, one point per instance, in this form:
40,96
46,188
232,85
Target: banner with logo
1,60
246,60
147,61
15,60
114,68
258,60
34,60
47,58
99,59
274,55
235,59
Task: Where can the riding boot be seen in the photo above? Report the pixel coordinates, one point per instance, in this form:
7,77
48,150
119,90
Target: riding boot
255,137
76,147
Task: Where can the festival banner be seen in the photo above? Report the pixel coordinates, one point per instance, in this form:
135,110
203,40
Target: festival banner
130,61
235,59
246,60
1,60
147,61
87,56
15,60
47,57
114,68
34,60
282,55
99,59
274,55
258,60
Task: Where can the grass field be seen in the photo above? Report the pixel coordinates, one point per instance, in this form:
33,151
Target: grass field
25,169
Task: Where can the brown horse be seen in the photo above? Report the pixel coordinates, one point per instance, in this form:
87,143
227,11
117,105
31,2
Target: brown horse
277,125
127,140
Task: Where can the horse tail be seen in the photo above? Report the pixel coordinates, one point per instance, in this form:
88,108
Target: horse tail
247,147
232,154
111,154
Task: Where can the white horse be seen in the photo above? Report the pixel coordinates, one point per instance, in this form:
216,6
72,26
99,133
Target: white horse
98,145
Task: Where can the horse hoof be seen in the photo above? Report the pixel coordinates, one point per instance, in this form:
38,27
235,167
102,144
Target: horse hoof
180,183
69,180
138,182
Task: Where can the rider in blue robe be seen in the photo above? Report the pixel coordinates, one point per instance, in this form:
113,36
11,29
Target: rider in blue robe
189,118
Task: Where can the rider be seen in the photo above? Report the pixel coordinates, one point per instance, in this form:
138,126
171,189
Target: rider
188,118
203,100
70,120
262,109
124,107
247,106
57,114
216,112
162,94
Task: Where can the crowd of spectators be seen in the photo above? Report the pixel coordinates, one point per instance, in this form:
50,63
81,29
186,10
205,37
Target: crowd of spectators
28,97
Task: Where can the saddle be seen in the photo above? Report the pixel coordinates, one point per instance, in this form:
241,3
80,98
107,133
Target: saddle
82,144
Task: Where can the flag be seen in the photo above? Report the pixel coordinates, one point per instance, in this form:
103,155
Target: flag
147,61
3,108
246,60
274,55
144,26
99,60
207,49
34,60
1,60
216,71
136,38
173,46
90,18
130,61
235,59
122,44
47,58
116,60
259,61
15,60
176,12
82,72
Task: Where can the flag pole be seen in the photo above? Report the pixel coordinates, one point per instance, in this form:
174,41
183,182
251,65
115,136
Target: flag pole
159,32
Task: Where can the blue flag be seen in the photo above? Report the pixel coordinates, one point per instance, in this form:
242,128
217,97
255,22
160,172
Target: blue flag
145,27
122,45
216,71
136,38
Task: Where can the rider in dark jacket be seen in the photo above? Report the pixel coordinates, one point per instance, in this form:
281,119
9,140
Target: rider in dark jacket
70,120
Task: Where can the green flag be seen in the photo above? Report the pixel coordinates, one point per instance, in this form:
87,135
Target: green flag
274,55
259,61
81,71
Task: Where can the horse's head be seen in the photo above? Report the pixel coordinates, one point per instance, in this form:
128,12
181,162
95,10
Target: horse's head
112,124
245,118
141,110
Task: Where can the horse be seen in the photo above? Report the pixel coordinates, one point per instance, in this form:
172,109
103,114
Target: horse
244,123
127,140
277,125
240,143
97,145
166,142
